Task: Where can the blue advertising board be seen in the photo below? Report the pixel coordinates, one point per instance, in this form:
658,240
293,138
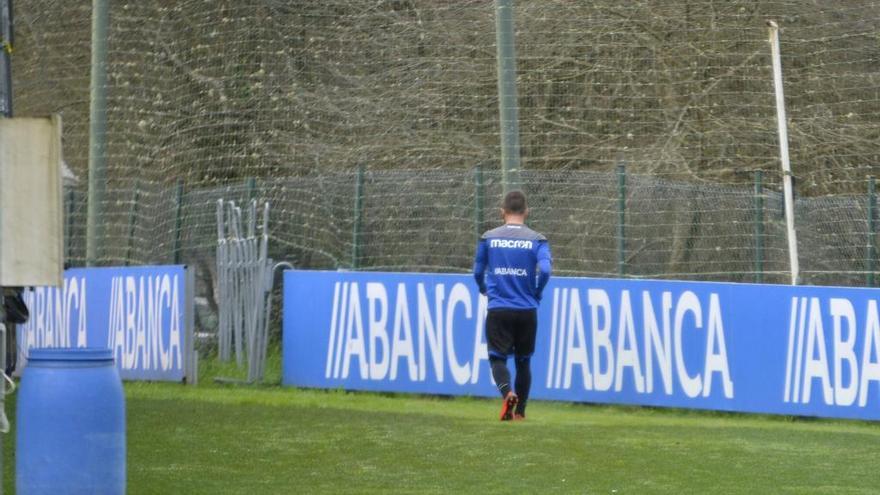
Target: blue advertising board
812,351
143,314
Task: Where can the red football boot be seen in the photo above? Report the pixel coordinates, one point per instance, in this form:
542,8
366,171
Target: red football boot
508,406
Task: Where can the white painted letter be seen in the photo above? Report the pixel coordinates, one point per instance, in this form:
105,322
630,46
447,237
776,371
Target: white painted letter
816,368
174,350
481,352
844,350
598,300
716,362
402,346
653,341
377,302
354,335
627,355
576,353
870,367
687,303
430,331
461,373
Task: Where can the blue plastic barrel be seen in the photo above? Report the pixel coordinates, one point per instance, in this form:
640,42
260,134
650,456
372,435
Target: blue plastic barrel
70,432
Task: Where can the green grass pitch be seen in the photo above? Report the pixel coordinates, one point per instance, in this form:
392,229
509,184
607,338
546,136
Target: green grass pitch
227,439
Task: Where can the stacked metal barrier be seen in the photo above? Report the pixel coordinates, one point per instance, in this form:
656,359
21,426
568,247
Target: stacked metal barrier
244,277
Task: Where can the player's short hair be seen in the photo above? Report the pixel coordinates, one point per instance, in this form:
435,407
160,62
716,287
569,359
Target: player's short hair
514,202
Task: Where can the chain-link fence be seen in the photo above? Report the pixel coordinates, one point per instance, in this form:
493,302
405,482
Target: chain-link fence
599,224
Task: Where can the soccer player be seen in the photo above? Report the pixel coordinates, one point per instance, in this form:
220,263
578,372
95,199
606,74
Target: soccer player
512,267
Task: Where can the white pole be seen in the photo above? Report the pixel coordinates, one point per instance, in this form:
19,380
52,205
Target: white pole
783,153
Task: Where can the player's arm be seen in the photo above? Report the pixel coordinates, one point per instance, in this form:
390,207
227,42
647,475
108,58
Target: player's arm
545,268
481,259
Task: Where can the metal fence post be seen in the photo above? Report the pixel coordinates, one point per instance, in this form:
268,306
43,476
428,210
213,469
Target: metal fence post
97,133
759,226
508,108
251,185
478,201
621,220
358,218
178,221
872,232
68,225
132,221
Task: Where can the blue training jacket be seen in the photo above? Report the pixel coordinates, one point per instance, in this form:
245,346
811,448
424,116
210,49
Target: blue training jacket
512,266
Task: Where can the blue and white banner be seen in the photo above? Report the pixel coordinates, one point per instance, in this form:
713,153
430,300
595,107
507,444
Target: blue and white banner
812,351
142,313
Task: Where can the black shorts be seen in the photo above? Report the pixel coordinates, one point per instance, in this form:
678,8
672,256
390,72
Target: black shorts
511,331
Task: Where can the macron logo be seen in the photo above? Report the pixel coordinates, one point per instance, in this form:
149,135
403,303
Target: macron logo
510,244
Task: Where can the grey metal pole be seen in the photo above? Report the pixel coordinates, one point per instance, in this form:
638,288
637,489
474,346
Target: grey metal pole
759,226
97,130
358,218
507,99
6,58
178,221
478,202
621,220
132,220
872,232
251,185
68,224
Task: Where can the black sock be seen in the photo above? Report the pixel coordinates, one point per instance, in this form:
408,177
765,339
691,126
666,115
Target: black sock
523,383
501,374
